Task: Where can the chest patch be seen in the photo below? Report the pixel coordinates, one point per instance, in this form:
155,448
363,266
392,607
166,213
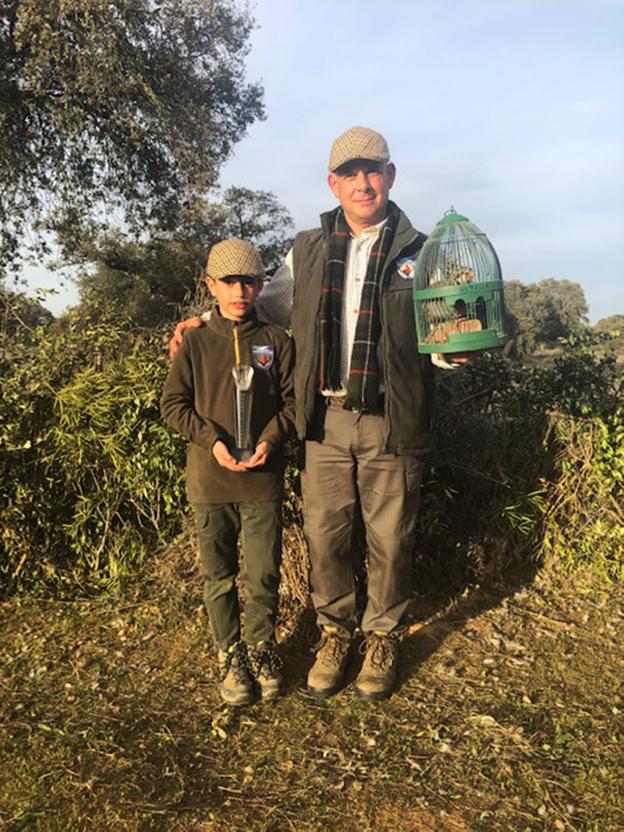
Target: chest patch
406,268
262,357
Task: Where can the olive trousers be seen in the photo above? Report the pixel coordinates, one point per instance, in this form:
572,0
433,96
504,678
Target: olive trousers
347,465
259,525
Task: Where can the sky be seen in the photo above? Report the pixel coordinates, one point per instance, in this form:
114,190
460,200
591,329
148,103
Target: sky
510,111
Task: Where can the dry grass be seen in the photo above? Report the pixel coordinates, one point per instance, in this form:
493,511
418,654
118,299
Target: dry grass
507,717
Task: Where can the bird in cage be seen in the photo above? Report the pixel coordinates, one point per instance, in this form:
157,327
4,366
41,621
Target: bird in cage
444,319
453,273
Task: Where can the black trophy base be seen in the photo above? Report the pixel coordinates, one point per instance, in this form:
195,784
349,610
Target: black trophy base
242,454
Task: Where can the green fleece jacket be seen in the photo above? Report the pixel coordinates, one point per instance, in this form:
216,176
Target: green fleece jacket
198,402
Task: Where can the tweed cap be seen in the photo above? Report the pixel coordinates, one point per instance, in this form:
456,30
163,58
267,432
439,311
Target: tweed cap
358,143
232,257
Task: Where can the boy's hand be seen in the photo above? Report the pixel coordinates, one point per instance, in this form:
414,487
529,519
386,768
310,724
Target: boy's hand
225,458
260,456
178,335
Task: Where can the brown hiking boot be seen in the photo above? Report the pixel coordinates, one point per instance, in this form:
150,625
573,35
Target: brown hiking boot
332,652
236,684
265,664
377,677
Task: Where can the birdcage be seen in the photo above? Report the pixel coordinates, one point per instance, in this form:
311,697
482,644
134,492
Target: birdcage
458,290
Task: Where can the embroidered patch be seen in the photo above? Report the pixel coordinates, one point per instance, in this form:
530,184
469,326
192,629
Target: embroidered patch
262,357
406,268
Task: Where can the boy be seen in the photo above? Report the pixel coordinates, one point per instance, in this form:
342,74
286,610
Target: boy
231,496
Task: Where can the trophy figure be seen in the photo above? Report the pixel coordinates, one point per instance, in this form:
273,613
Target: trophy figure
243,396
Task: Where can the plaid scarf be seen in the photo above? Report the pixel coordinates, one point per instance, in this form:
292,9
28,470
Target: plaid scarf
364,373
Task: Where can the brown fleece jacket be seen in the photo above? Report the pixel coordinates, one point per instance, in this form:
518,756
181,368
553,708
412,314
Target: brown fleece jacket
198,402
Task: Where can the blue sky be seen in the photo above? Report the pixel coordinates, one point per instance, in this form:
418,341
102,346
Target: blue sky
513,112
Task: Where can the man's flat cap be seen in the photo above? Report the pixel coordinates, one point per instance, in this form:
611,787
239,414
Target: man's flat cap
232,257
358,143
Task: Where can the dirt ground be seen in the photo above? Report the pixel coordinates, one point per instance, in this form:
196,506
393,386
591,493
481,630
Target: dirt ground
508,716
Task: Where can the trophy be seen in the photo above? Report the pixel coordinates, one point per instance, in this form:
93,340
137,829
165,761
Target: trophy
243,396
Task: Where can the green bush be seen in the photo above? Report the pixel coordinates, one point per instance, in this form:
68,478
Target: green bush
484,499
585,518
91,478
528,465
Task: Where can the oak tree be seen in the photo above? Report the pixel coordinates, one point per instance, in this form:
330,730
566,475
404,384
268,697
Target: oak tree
544,311
160,278
117,108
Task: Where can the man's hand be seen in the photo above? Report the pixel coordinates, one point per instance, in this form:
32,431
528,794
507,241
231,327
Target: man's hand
439,359
178,335
260,456
225,458
454,360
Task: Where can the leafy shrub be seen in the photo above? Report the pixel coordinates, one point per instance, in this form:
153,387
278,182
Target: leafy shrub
585,519
484,498
528,465
91,479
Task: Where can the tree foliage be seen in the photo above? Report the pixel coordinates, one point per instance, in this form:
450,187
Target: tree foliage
614,323
529,466
544,312
257,216
117,105
151,281
20,313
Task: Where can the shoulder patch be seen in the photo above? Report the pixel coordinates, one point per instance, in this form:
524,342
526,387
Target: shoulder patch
262,357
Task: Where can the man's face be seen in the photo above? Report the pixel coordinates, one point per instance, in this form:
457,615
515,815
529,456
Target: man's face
236,295
362,187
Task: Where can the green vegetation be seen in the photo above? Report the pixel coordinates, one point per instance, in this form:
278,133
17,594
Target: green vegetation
529,464
116,118
116,110
507,481
91,479
614,325
543,312
156,280
610,324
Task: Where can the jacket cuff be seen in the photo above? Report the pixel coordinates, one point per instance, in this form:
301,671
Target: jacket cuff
274,442
207,436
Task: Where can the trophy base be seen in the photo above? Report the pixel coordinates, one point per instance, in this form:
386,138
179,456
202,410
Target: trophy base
242,454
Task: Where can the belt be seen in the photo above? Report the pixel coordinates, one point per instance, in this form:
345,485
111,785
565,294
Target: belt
339,400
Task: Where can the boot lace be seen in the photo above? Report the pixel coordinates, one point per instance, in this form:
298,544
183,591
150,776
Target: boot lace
380,650
266,659
237,661
331,648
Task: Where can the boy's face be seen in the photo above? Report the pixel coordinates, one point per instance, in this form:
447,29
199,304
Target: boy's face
236,294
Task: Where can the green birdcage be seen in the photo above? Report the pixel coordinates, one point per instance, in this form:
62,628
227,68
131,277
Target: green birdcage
458,290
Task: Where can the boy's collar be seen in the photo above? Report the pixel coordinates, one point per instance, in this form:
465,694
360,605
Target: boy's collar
225,325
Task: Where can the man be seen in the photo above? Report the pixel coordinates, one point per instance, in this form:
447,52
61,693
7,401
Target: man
364,397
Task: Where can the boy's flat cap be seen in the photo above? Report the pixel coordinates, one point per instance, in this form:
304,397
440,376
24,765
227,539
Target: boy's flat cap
232,257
